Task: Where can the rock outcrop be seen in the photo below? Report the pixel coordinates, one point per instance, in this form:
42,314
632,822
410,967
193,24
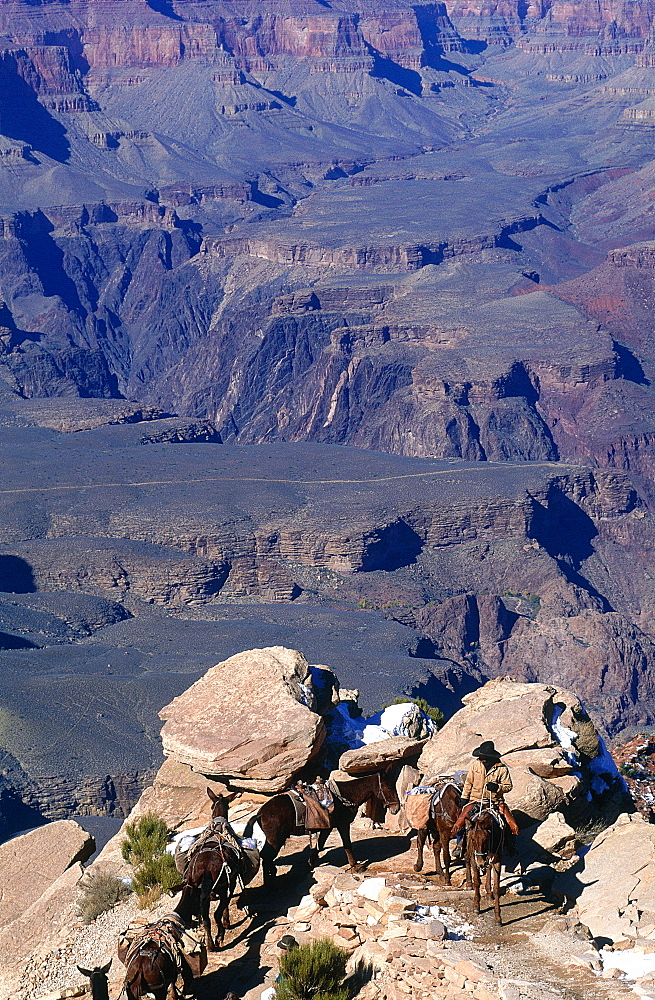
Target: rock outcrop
376,756
32,862
519,719
614,885
248,721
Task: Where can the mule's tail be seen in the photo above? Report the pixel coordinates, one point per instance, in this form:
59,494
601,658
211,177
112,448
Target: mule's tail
250,826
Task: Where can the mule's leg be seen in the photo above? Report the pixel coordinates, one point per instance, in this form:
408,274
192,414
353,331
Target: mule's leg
487,882
205,900
344,833
475,871
268,856
467,862
437,848
496,868
445,847
420,843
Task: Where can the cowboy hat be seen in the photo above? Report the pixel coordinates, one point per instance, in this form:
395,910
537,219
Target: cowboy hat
486,751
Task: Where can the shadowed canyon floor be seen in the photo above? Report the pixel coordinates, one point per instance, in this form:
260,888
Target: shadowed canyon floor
130,564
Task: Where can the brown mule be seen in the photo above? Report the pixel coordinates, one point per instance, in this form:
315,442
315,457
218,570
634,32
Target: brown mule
485,838
212,872
445,808
277,817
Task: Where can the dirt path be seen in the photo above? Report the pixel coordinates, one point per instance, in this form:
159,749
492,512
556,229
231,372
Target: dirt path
510,950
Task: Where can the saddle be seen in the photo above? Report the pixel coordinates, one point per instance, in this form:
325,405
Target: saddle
310,813
168,935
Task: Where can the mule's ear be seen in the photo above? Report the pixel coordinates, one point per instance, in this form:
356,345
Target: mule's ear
105,969
85,972
212,795
230,796
175,889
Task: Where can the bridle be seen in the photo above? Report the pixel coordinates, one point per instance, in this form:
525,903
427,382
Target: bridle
386,802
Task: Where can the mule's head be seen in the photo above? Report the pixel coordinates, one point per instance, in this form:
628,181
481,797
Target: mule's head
480,833
220,803
387,792
98,979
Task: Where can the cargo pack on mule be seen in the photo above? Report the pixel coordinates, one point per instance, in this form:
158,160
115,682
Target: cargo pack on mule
155,954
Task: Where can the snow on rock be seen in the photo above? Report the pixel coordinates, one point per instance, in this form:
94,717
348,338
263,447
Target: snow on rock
633,962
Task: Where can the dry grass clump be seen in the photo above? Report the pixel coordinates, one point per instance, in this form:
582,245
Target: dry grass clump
101,891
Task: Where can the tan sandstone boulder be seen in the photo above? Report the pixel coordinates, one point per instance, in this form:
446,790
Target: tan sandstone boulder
30,864
248,721
614,886
366,759
517,718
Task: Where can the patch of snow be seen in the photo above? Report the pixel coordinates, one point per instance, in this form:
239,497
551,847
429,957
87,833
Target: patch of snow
258,836
362,732
601,766
458,928
183,840
633,962
564,736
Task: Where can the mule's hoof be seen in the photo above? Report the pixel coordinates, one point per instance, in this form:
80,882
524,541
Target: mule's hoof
358,867
418,867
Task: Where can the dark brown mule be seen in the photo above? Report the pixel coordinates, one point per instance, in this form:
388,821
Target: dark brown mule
212,873
152,969
277,817
98,977
485,837
446,807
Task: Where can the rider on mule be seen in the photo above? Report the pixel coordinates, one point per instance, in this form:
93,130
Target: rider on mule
486,784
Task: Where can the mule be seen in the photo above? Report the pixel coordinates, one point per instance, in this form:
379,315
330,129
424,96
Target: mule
212,872
277,817
98,978
150,968
485,838
445,808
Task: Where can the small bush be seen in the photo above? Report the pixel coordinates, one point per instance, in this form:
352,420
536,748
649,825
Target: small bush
313,972
146,838
100,892
156,873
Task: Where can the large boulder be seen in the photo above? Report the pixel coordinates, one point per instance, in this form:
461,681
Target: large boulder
30,864
374,756
250,720
518,718
614,885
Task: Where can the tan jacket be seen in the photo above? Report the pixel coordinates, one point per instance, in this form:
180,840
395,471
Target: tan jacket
475,789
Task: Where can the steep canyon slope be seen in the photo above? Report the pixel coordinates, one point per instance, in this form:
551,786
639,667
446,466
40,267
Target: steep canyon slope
422,232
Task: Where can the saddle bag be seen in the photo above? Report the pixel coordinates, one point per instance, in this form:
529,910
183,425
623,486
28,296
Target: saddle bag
417,809
194,952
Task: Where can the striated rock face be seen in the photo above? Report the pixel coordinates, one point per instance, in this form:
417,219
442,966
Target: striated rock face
518,718
248,720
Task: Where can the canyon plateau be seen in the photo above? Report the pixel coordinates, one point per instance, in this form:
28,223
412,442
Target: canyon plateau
325,324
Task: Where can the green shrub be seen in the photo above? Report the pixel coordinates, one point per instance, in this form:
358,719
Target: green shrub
313,972
159,871
100,892
146,839
144,847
